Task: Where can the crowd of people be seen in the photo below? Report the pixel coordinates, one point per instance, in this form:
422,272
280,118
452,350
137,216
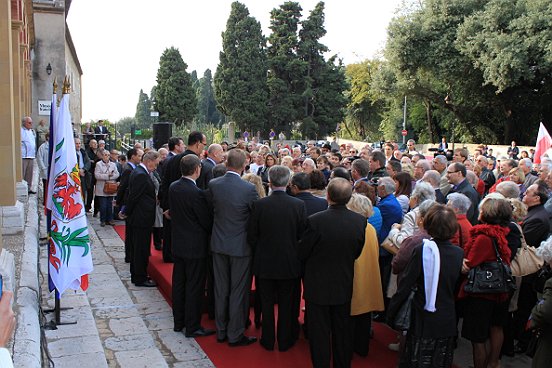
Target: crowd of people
354,232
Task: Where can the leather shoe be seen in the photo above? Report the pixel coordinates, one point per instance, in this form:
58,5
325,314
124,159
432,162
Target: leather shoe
244,341
220,340
112,223
200,332
178,329
102,224
147,283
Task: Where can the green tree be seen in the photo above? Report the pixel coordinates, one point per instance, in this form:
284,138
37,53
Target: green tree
143,110
286,69
206,104
240,79
323,83
174,94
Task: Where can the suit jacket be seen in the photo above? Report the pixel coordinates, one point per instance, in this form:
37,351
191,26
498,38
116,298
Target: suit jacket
536,225
206,173
332,241
188,209
312,203
122,191
231,198
275,226
466,189
171,173
86,179
141,200
101,132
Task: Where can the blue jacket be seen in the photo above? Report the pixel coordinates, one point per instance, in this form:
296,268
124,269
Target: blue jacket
391,213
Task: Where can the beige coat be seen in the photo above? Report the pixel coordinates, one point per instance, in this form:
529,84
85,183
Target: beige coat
103,173
367,293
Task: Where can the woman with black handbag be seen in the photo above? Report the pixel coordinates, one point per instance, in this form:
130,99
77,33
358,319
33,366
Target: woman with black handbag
434,272
486,312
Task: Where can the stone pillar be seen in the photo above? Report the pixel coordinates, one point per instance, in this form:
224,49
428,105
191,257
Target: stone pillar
231,132
8,161
17,96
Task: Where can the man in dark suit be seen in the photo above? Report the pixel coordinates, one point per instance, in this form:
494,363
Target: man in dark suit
134,156
171,173
140,210
84,167
456,175
189,210
101,131
275,227
231,199
300,185
215,155
329,274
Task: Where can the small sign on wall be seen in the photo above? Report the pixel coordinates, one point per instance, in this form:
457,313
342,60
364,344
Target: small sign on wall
44,107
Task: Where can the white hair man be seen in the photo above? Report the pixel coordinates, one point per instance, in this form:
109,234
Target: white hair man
526,165
28,150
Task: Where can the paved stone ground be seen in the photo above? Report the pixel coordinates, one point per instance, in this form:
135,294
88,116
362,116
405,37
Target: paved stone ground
119,325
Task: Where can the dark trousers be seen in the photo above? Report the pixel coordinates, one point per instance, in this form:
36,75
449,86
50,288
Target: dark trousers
361,325
526,301
188,286
329,332
141,242
128,242
210,288
167,240
385,275
281,292
106,208
157,233
232,281
90,194
296,310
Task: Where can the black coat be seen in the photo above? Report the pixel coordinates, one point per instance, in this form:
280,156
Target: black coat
141,200
536,225
332,241
442,322
122,191
191,218
275,226
206,174
466,188
312,203
171,173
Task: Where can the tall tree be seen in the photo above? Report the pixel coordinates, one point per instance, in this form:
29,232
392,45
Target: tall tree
174,94
323,83
143,109
206,105
286,69
240,79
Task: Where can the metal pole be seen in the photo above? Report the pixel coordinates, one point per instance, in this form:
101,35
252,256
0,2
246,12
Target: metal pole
404,119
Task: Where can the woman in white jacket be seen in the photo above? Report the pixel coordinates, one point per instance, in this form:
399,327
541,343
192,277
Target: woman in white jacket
105,171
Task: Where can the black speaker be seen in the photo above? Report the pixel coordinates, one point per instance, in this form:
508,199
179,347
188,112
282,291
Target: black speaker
161,134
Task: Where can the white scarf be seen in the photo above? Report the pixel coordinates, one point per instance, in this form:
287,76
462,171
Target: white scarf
431,261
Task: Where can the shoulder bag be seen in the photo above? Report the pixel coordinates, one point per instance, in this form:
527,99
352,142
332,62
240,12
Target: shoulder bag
401,321
526,260
110,187
490,277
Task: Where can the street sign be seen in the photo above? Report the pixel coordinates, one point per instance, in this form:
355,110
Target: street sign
154,113
138,132
404,132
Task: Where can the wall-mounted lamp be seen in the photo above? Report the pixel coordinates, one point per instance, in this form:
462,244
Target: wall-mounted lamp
49,69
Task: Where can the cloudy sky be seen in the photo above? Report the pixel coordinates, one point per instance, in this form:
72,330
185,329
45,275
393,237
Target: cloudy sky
119,42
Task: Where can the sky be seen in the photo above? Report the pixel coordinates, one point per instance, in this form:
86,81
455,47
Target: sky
119,42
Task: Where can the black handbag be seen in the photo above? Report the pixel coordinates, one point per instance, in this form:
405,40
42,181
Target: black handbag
542,276
401,321
533,343
490,277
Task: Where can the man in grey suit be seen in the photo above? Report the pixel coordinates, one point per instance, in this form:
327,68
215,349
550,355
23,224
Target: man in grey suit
231,199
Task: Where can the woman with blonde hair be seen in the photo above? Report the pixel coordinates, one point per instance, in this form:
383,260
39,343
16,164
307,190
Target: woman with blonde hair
257,182
517,176
367,292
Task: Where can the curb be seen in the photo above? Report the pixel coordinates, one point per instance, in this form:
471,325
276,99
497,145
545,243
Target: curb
26,350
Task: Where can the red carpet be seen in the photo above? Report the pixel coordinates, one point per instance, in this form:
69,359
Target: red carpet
254,355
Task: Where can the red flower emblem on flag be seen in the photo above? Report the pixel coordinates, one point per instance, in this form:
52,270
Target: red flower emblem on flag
64,190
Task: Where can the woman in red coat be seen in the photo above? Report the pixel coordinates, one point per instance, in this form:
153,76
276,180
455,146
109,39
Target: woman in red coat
486,314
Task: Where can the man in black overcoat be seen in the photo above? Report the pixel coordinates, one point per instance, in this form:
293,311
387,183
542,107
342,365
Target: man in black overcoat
188,209
275,227
332,241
